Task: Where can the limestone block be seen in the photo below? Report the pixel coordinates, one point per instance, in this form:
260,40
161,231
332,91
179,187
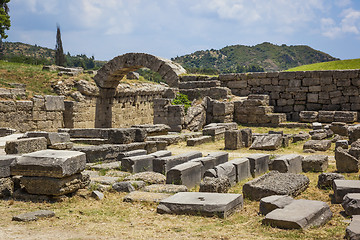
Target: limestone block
26,106
5,162
325,180
147,177
162,165
222,108
268,204
136,164
308,116
207,204
343,187
287,163
51,137
258,164
267,142
318,145
246,135
220,157
315,163
54,103
25,145
353,230
345,116
354,133
299,214
165,188
218,185
188,174
161,153
275,183
346,162
242,168
49,163
198,141
123,187
225,170
206,163
351,204
55,186
233,139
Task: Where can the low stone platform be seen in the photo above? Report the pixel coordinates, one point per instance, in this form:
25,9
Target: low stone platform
275,183
151,197
206,204
299,214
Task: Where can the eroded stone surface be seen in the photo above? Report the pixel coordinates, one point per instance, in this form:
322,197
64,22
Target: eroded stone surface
148,177
343,187
137,196
33,216
165,188
268,204
315,163
275,183
325,180
299,214
351,204
49,163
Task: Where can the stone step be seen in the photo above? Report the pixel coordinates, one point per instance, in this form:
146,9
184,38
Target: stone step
198,141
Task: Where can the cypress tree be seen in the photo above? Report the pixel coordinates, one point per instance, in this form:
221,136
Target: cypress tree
59,51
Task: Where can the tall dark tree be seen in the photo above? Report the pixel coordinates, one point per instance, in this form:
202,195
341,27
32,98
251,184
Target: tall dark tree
4,22
59,51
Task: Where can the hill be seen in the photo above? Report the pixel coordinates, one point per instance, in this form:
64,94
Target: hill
268,56
33,54
333,65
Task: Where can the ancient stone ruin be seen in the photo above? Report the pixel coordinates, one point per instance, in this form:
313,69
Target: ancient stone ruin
56,146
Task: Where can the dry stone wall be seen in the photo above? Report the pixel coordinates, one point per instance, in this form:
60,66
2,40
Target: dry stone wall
40,113
293,92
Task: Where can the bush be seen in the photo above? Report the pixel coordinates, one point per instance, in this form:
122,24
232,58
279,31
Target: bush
182,99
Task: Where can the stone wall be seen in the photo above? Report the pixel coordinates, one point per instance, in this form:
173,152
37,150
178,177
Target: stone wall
129,107
40,113
293,92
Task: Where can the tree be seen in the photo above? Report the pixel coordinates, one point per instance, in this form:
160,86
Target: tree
59,51
4,22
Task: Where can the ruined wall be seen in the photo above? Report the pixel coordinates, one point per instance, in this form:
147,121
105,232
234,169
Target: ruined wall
292,92
130,106
40,113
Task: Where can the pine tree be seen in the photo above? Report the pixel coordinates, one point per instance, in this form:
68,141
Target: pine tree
59,51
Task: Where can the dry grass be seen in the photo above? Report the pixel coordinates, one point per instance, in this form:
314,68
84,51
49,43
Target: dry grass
111,218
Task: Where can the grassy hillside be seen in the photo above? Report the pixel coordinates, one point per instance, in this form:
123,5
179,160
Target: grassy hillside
334,65
33,54
266,55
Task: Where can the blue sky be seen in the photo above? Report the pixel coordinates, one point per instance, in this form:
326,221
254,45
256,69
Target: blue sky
170,28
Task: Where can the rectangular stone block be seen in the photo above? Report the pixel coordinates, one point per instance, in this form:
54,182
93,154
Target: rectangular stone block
198,141
226,170
221,157
136,164
161,153
200,203
233,139
55,186
49,163
162,165
25,145
207,163
291,163
315,163
54,103
246,135
5,162
345,116
299,214
258,164
242,168
188,174
343,187
133,153
51,137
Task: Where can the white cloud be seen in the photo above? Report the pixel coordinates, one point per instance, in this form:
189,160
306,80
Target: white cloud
39,6
349,24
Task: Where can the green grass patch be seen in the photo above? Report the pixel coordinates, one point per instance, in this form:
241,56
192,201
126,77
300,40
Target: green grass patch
333,65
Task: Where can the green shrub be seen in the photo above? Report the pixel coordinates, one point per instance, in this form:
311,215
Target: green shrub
182,99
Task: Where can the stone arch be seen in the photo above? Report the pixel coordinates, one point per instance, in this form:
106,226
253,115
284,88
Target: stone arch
109,76
112,72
